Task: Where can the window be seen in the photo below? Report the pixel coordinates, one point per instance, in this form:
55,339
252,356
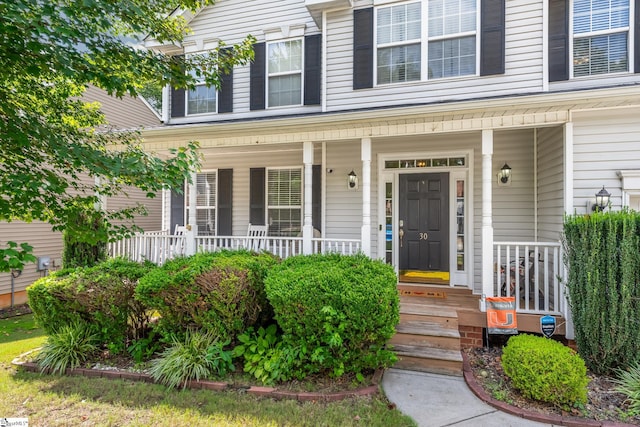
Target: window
600,37
449,35
284,202
398,40
452,38
206,202
284,70
202,99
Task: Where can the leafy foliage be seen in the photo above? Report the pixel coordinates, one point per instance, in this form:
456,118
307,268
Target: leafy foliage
50,151
101,296
338,311
78,253
603,259
545,370
14,257
265,355
199,356
222,292
628,383
68,348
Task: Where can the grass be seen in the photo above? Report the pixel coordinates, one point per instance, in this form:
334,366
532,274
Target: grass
70,401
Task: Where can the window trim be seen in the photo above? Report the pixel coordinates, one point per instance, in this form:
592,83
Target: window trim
268,75
266,194
629,30
424,43
200,83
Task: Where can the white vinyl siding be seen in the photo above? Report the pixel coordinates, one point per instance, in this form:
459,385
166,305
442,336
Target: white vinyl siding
284,73
600,36
550,182
523,66
604,143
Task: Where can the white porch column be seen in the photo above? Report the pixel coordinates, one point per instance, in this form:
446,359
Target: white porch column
569,210
192,227
307,229
487,222
366,196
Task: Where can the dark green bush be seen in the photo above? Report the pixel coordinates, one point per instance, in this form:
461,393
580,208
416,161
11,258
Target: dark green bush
603,260
100,296
221,292
90,248
545,370
338,311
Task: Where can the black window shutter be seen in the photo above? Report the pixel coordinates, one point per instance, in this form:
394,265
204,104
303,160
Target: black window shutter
636,36
257,196
363,48
225,202
558,40
316,197
312,69
177,209
177,98
492,44
225,94
257,87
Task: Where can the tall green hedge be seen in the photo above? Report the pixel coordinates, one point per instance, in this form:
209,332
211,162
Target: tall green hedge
602,253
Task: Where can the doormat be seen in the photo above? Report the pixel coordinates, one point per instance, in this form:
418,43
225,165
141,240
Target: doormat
442,275
423,294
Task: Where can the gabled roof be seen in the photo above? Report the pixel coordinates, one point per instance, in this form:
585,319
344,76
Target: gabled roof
123,113
171,48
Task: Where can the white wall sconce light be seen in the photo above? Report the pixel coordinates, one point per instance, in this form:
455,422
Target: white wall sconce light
504,176
602,200
352,181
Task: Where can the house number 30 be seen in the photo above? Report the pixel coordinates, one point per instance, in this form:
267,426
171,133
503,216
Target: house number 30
423,236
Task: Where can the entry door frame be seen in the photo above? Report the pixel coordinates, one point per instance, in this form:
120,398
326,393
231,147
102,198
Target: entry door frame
457,278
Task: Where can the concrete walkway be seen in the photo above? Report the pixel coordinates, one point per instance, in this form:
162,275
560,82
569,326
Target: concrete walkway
440,400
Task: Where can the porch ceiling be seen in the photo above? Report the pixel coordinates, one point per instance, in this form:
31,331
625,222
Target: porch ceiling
503,113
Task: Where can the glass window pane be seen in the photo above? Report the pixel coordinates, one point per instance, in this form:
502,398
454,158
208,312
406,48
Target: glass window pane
285,90
202,100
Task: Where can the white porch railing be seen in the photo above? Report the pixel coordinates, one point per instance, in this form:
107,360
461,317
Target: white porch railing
533,273
159,247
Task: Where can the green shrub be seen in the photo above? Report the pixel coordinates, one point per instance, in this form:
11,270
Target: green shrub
222,292
265,355
200,355
68,348
603,261
90,247
101,296
545,370
628,383
339,311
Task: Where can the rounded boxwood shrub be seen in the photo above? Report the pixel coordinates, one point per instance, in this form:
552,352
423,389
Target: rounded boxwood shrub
545,370
220,292
336,311
100,296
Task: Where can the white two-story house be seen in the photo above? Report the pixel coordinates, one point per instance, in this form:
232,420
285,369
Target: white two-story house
447,137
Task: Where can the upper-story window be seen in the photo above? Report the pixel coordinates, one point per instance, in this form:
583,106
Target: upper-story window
202,99
447,40
600,37
284,70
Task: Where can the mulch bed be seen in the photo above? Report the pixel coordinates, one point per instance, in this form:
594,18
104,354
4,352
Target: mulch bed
16,310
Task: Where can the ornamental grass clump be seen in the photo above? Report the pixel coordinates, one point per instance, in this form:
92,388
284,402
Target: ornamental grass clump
545,370
336,312
199,355
628,383
71,346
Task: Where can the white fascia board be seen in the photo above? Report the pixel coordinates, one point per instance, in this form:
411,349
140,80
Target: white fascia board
316,7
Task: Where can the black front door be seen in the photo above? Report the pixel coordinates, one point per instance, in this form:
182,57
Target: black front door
424,222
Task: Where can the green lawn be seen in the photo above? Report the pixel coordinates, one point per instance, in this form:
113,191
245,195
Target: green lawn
69,401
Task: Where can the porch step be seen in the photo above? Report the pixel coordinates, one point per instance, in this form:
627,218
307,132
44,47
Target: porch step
427,338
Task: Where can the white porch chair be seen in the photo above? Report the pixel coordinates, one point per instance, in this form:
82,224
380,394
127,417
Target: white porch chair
177,240
256,237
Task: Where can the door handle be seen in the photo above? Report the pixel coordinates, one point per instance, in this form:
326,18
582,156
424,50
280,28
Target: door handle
401,235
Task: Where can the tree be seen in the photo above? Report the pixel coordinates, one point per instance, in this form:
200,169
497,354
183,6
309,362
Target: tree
50,51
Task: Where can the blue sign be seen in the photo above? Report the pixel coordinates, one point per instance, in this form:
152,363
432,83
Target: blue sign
547,325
